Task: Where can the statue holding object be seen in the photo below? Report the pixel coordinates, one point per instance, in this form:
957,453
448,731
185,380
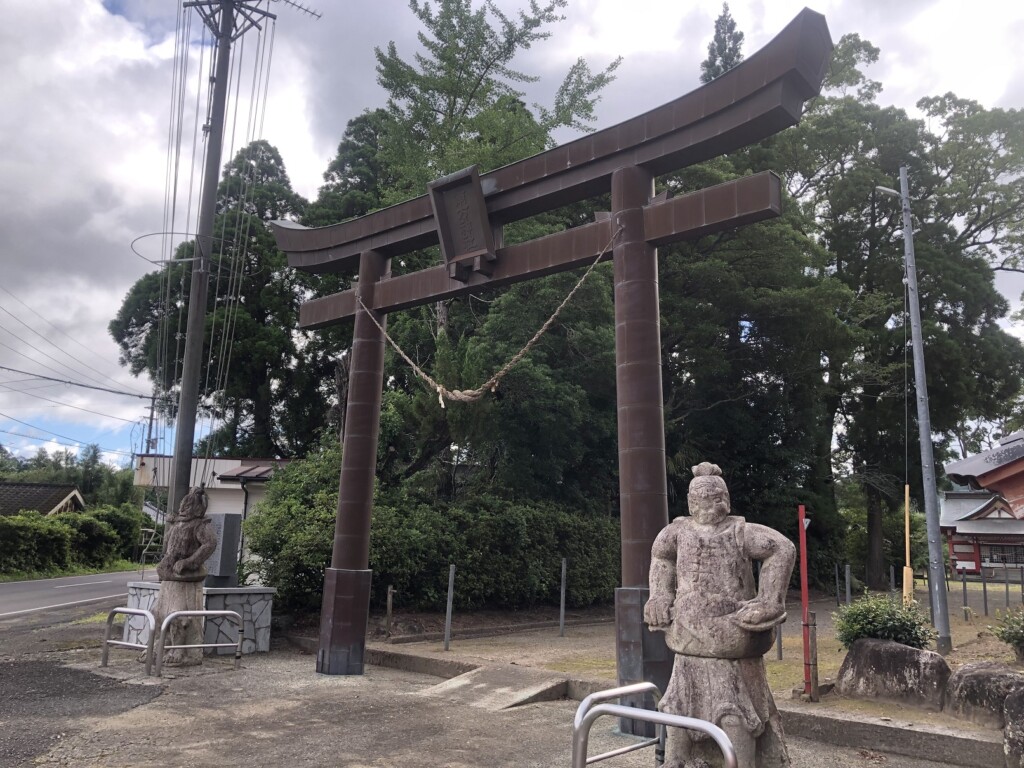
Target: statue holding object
719,625
190,541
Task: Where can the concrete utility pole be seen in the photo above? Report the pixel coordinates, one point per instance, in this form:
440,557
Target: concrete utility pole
936,569
219,16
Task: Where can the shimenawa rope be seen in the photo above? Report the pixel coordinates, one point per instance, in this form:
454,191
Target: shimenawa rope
472,395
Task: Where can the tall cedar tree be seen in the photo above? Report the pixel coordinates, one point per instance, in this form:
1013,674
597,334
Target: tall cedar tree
270,405
725,50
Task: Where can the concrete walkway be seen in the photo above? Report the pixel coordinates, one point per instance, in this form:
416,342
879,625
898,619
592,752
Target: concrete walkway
487,702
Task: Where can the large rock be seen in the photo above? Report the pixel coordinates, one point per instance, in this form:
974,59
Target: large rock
978,692
1013,736
882,669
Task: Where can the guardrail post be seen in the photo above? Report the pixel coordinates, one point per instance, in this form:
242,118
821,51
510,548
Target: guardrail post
148,647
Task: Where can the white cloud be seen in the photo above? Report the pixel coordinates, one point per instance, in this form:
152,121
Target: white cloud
86,96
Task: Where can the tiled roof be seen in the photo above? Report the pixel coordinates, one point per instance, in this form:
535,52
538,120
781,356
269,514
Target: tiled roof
43,497
1010,449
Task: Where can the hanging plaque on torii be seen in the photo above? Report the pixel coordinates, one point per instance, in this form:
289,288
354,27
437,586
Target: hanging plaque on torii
465,213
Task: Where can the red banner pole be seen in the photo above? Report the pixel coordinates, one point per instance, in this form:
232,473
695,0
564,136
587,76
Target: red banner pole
802,519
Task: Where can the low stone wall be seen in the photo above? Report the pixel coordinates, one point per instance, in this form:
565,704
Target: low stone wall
253,604
987,693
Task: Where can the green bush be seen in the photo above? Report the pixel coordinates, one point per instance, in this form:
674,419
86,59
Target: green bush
1011,628
506,554
127,522
94,543
30,542
882,618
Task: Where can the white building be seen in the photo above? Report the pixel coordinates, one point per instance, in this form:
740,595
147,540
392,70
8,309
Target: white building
233,486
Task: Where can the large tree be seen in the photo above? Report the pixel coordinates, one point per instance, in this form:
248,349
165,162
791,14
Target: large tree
253,376
454,103
966,189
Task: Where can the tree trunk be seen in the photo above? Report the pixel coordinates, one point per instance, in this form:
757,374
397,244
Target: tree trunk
877,578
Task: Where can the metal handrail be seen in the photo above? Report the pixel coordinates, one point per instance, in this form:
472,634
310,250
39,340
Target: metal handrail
233,615
148,646
581,733
616,693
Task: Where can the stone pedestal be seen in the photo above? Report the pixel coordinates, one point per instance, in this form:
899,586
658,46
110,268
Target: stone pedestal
187,630
640,655
253,604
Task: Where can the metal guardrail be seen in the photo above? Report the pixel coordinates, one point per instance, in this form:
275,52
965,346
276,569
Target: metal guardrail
147,647
233,615
587,713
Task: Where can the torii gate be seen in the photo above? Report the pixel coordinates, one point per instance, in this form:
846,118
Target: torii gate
465,213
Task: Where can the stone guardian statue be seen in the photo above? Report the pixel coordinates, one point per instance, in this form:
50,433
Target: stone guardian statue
719,625
190,541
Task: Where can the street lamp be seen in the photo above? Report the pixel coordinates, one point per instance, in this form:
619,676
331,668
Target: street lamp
936,571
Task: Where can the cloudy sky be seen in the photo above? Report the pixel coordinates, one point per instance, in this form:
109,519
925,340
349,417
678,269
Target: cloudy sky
85,89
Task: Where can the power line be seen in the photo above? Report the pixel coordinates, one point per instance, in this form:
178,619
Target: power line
47,431
66,445
69,405
75,383
47,355
58,330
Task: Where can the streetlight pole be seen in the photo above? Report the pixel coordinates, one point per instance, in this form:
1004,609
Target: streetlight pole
936,570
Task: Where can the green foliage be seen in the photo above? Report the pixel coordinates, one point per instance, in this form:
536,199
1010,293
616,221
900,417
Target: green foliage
506,554
30,542
882,618
127,522
94,543
725,48
1011,628
99,483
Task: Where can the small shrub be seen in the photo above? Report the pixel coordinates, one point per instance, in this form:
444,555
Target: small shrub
1011,631
127,522
882,618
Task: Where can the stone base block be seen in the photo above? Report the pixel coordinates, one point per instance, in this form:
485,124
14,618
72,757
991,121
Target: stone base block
640,655
253,604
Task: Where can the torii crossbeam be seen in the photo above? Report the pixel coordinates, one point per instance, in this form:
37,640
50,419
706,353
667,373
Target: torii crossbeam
465,214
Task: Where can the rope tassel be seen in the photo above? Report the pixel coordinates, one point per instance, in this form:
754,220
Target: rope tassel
491,385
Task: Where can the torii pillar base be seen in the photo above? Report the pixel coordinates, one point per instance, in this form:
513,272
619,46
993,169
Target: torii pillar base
343,620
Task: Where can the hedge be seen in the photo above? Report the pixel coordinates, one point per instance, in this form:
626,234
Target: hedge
30,542
34,543
507,554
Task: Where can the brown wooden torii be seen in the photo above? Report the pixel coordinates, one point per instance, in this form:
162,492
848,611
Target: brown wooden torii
465,213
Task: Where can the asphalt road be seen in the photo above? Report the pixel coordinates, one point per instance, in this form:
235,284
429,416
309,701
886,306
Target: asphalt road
21,597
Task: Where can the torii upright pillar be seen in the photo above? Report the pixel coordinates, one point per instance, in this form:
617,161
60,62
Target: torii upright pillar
643,490
346,601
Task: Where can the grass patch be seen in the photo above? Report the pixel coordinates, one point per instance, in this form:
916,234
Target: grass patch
117,566
97,618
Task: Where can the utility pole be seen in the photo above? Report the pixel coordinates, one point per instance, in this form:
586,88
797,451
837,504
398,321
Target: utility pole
936,567
219,16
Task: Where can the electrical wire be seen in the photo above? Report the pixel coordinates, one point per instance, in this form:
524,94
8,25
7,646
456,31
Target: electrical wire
66,445
49,432
68,405
75,383
66,335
